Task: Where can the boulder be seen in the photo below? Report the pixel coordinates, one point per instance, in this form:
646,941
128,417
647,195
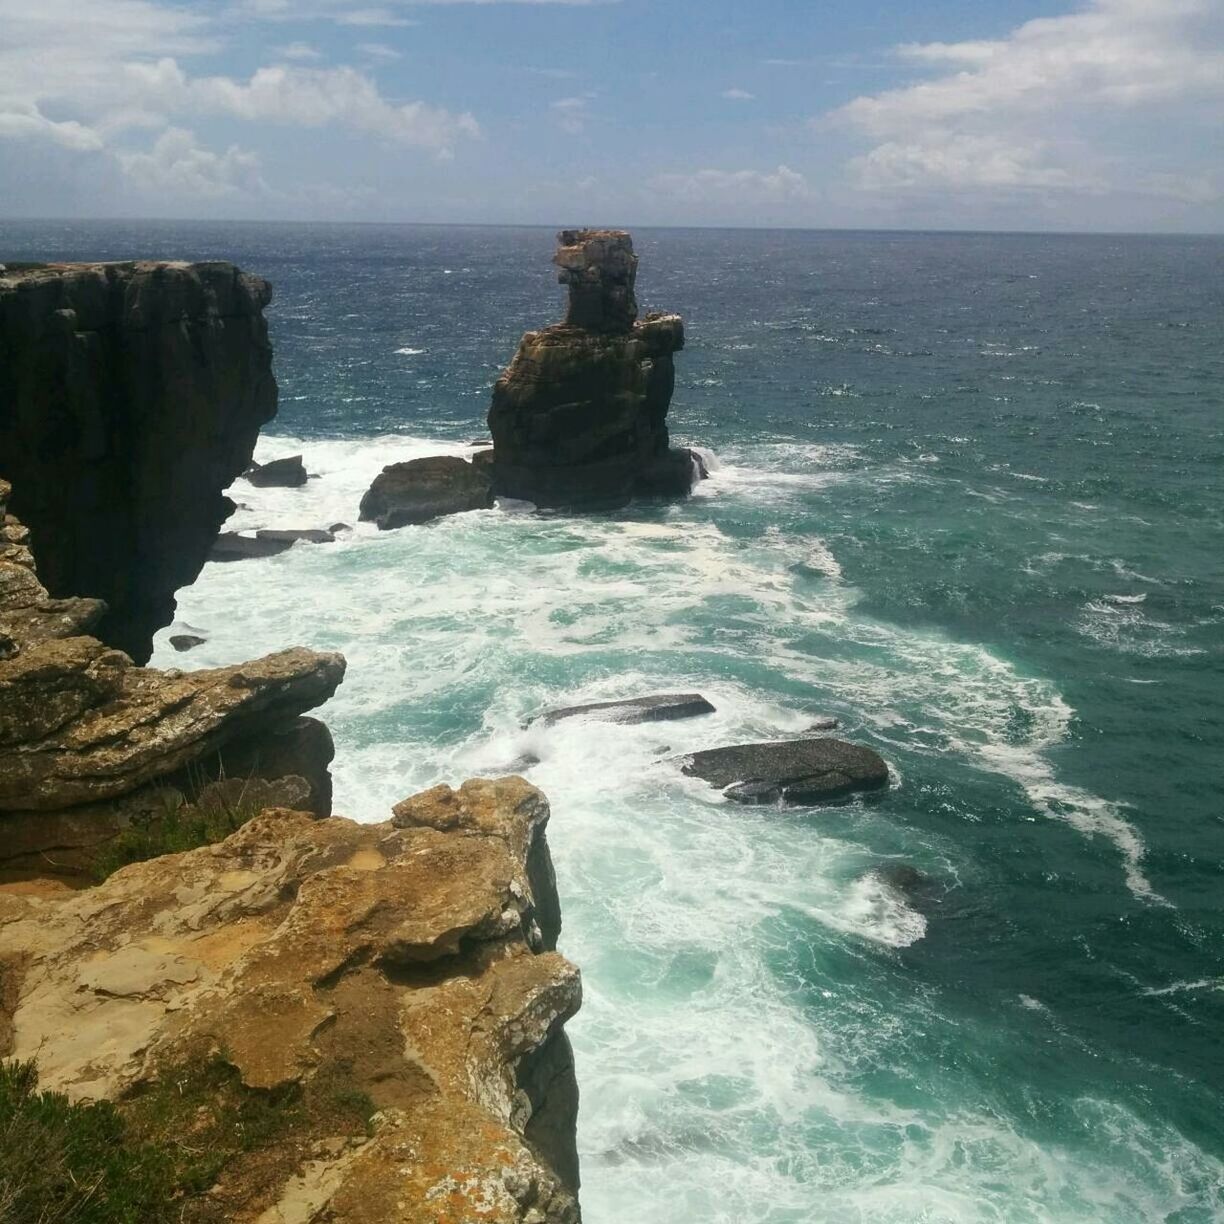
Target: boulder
402,962
131,395
801,771
419,490
186,641
266,542
579,418
286,473
660,707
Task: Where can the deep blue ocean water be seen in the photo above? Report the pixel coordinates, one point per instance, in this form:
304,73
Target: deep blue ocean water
970,501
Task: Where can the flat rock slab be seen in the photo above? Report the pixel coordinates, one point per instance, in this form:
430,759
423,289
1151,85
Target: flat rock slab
795,772
423,489
661,707
267,542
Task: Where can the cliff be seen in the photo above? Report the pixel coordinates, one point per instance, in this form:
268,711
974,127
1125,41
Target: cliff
384,998
131,395
579,418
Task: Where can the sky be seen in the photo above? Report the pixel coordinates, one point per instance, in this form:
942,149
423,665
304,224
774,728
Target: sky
947,114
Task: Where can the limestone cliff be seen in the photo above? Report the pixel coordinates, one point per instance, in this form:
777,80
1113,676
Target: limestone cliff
91,744
579,418
410,961
131,395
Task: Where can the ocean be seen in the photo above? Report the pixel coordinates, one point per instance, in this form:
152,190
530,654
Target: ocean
968,498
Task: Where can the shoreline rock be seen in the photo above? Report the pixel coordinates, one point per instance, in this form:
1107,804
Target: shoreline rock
660,707
419,490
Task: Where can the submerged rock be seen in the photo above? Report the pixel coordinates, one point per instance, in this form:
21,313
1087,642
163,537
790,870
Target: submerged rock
660,707
131,395
403,961
286,473
802,771
579,417
423,489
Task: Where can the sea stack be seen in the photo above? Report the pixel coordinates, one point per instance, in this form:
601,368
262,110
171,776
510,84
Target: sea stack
579,418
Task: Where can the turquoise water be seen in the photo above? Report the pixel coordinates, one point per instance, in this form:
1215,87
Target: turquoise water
970,500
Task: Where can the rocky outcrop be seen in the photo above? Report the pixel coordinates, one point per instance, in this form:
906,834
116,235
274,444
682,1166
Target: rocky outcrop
131,395
659,707
286,473
802,771
411,961
89,742
419,490
579,418
266,542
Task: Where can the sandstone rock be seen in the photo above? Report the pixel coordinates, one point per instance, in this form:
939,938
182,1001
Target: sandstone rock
660,707
286,473
404,954
423,489
579,417
131,395
802,771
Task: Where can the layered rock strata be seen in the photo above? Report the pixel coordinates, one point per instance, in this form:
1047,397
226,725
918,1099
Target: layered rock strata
411,960
131,395
90,743
579,418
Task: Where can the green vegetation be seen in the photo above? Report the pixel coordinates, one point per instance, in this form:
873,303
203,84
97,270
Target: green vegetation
151,1157
60,1161
220,809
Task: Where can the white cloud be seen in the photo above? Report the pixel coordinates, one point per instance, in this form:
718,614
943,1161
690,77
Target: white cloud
738,95
306,97
378,51
737,186
24,121
573,113
1053,107
177,166
300,51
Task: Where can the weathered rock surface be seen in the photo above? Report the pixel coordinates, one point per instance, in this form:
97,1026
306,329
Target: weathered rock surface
131,395
286,473
803,771
660,707
409,955
419,490
579,418
89,741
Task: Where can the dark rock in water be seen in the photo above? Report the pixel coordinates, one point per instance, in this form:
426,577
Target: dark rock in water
579,417
186,641
825,723
791,771
286,473
700,466
131,395
658,708
337,528
424,489
230,546
902,877
311,535
483,461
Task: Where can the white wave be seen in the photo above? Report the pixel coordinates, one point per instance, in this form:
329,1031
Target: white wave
406,351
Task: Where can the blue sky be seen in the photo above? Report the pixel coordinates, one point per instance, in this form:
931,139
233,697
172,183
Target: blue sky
1029,114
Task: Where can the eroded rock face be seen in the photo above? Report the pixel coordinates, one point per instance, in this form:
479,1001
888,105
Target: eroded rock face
89,741
579,418
412,953
131,395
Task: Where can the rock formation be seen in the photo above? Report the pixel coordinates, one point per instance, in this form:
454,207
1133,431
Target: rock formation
410,961
801,771
131,395
659,707
90,743
419,490
579,418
